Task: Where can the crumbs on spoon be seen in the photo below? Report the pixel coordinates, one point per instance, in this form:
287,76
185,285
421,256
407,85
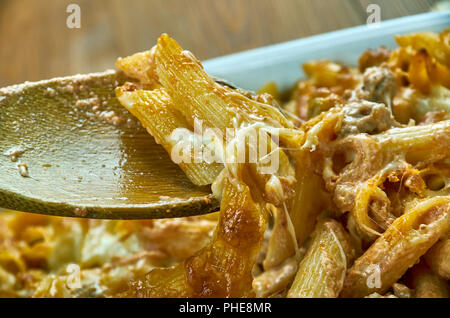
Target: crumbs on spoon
94,104
23,170
50,92
89,102
110,117
81,212
14,153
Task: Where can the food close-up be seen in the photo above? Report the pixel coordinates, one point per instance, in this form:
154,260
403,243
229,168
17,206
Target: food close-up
195,185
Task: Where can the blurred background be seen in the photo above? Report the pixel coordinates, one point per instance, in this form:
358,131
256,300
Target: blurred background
35,42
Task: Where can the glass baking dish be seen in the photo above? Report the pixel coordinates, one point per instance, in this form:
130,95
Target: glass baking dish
281,63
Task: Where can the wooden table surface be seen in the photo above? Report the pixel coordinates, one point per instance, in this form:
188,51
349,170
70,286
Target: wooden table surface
35,42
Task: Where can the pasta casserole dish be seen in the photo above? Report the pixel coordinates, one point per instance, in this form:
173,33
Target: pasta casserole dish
337,188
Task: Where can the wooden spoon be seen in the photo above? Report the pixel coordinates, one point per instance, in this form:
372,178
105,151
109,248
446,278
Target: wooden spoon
68,148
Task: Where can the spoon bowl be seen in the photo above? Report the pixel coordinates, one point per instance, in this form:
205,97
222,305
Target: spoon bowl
68,148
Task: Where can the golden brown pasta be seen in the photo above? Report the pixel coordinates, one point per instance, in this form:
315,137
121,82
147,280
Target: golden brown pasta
321,273
403,243
224,267
157,114
140,66
359,194
438,258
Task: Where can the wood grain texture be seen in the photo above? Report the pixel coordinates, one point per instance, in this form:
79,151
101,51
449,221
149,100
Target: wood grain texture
36,44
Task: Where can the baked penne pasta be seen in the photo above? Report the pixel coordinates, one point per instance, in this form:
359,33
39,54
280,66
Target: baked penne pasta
399,248
429,143
438,258
321,273
197,96
155,111
224,267
140,66
338,188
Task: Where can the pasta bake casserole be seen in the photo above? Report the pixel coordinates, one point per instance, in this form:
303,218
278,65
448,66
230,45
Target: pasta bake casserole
358,205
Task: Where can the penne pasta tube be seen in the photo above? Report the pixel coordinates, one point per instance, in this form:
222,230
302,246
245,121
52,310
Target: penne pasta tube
302,209
398,248
197,96
140,66
419,143
321,272
371,211
276,279
155,111
189,85
438,258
